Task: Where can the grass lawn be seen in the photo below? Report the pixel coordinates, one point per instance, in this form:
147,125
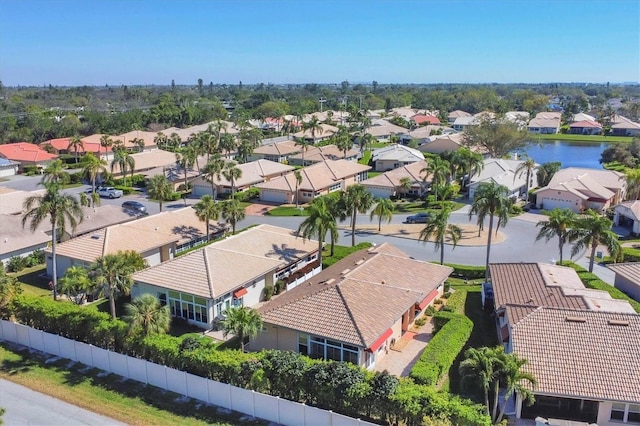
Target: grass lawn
110,395
287,211
339,252
373,174
32,284
585,138
366,157
377,145
403,206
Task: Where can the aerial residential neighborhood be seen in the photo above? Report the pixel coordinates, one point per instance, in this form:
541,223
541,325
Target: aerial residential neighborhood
254,213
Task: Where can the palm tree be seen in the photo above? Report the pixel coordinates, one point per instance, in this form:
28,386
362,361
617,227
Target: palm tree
314,126
75,142
138,143
242,321
298,177
490,199
232,173
185,159
591,230
55,173
207,210
438,228
515,380
233,212
161,140
384,210
146,315
304,144
439,171
321,220
208,142
93,166
159,188
480,367
366,139
356,200
227,143
113,273
343,140
124,161
405,185
212,171
632,177
105,142
61,209
527,166
75,283
473,162
560,220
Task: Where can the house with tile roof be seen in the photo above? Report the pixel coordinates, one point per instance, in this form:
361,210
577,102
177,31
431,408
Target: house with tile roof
443,143
622,126
581,345
25,153
627,215
394,156
317,154
585,127
382,130
148,160
503,172
423,120
627,278
579,189
453,115
229,272
278,152
158,238
318,179
388,184
545,123
331,316
253,173
327,132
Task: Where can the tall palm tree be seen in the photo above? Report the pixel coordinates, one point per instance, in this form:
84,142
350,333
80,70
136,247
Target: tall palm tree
515,380
207,210
138,143
174,142
343,140
124,161
490,200
105,142
146,315
61,210
75,283
480,367
321,220
55,173
113,273
297,175
632,177
438,169
242,321
75,143
227,143
185,159
208,142
159,188
473,162
384,210
560,220
93,167
314,126
304,144
212,171
356,200
161,140
366,139
591,230
405,185
233,212
438,228
232,173
527,166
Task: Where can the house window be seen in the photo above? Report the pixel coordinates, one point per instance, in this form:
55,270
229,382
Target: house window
625,413
335,187
320,348
188,307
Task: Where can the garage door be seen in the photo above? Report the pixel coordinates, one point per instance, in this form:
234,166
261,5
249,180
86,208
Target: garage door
200,190
279,197
555,203
377,192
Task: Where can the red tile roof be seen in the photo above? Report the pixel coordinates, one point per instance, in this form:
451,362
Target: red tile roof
587,124
25,152
62,144
420,118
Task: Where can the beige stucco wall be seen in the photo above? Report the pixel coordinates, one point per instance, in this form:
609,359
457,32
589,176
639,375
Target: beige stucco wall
275,337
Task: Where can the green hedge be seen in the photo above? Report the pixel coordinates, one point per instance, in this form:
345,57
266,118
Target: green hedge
456,302
630,254
591,280
469,272
451,334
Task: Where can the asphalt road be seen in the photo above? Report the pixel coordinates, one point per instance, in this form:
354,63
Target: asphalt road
27,407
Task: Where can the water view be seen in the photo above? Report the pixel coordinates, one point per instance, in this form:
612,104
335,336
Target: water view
569,153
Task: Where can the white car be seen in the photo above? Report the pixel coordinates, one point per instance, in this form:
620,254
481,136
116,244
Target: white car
109,192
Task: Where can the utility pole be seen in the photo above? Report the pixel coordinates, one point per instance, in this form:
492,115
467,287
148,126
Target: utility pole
322,101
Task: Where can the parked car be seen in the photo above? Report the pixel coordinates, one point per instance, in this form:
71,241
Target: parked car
418,218
134,207
109,192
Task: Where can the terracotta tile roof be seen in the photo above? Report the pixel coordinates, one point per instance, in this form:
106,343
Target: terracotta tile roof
357,299
252,173
62,144
581,354
540,284
225,265
391,179
11,202
321,153
628,270
15,237
318,176
279,148
25,152
419,119
147,160
590,124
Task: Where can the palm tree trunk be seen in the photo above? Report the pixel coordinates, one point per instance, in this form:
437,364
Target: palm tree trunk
160,201
593,256
112,300
320,250
54,266
207,231
495,399
185,177
486,272
504,407
353,228
560,244
526,197
442,251
486,400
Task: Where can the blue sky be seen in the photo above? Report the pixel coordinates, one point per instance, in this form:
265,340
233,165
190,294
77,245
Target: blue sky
96,42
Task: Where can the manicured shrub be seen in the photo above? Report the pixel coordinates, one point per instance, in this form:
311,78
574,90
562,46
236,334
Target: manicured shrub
281,286
456,302
421,321
268,292
451,334
249,194
17,264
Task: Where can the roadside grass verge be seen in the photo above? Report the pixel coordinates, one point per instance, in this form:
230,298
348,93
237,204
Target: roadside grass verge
288,211
584,138
128,401
403,206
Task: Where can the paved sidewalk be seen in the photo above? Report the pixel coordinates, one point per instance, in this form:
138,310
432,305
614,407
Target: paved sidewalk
399,363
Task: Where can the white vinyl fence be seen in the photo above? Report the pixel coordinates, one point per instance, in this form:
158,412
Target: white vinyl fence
245,401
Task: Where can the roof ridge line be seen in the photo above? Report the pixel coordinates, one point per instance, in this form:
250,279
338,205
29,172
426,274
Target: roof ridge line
104,242
209,280
353,321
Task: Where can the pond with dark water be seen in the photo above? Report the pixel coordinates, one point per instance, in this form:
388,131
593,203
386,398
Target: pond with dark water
569,153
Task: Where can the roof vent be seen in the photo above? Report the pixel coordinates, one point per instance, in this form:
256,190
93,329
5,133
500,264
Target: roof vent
360,262
96,236
576,319
619,322
345,272
330,281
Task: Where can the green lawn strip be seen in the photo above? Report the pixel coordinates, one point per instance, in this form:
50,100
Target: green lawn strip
377,145
108,394
287,211
31,281
585,138
340,252
366,158
373,174
403,206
